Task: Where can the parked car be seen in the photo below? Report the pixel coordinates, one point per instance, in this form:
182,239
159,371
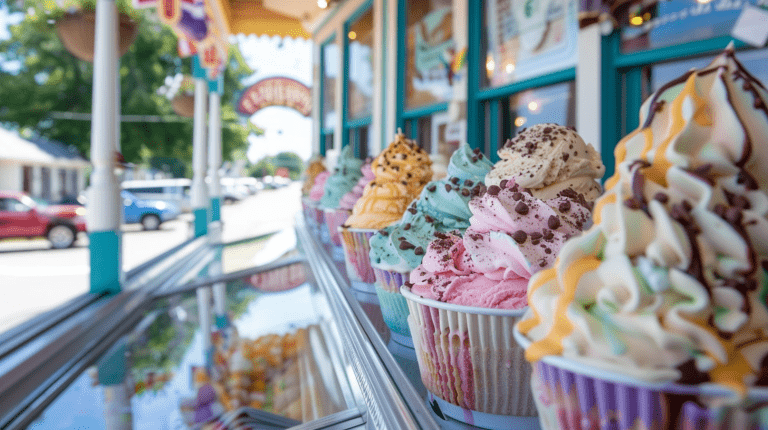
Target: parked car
173,191
21,216
149,213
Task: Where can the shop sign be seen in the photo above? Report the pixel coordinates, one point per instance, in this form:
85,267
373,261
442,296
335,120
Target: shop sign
280,279
434,37
278,91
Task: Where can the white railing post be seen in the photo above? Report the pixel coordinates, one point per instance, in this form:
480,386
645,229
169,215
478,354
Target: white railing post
104,203
199,158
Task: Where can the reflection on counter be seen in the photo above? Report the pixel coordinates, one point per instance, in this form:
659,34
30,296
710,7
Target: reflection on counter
270,367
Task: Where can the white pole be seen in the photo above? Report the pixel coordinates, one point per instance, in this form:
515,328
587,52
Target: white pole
199,191
104,204
214,156
204,312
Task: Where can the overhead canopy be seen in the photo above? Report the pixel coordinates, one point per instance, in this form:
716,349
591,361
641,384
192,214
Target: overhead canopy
269,17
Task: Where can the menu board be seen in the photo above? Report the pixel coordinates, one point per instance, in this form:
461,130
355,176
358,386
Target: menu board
430,50
529,38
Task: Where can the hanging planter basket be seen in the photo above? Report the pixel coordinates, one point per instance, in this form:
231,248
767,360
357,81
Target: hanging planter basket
77,32
184,105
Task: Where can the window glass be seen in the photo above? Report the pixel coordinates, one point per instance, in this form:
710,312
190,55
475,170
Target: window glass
429,52
528,38
673,22
360,57
553,103
12,205
330,74
358,138
659,74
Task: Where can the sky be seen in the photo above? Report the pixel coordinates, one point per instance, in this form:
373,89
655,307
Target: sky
284,129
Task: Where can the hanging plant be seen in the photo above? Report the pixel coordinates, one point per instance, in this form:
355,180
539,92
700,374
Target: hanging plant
180,90
75,24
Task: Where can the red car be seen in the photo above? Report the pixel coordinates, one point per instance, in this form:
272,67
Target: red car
21,216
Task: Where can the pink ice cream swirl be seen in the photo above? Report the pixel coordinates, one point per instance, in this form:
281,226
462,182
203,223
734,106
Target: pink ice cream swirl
318,189
512,235
348,201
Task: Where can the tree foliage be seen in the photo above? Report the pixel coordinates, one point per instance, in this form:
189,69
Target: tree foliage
269,164
49,79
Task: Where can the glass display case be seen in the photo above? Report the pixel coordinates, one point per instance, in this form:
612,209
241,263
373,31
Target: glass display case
258,334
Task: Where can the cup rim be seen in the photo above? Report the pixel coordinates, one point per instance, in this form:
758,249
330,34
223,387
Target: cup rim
592,371
406,291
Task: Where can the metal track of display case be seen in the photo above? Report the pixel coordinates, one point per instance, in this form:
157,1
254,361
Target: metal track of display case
392,401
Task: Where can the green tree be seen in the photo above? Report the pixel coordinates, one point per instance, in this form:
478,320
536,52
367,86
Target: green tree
290,161
50,80
263,167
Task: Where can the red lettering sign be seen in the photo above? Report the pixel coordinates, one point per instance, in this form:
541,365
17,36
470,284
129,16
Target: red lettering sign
276,92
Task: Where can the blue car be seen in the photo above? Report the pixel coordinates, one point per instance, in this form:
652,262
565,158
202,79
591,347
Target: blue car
150,213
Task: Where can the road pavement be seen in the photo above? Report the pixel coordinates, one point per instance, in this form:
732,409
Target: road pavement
35,278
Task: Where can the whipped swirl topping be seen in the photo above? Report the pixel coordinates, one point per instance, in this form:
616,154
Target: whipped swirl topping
670,283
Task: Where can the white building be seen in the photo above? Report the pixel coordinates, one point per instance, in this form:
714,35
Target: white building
40,167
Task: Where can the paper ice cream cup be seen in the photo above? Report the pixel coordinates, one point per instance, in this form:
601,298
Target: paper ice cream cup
335,218
355,242
468,358
394,308
572,395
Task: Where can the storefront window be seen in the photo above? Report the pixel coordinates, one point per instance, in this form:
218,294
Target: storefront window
554,103
659,74
429,52
672,22
359,138
529,38
360,58
330,74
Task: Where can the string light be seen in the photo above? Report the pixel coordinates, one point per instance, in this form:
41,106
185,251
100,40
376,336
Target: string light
352,35
519,121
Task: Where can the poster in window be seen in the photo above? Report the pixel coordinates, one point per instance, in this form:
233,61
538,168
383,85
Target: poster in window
430,50
529,38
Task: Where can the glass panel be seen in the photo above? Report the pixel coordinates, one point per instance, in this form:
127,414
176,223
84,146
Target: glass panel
331,57
659,74
278,356
359,139
529,38
429,52
553,103
360,57
673,22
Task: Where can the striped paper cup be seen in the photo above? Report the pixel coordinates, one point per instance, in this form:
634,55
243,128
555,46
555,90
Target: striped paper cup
468,359
394,308
335,218
575,396
356,259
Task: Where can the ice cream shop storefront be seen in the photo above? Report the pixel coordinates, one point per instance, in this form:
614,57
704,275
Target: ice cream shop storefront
534,214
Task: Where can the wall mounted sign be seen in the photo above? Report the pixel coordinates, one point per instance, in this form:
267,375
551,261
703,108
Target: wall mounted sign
278,91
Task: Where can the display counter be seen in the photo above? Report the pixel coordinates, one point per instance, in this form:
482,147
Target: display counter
298,348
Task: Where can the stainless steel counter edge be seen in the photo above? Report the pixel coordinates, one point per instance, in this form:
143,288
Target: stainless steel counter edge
392,402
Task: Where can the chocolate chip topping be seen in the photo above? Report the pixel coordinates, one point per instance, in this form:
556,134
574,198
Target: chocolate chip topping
661,197
521,208
465,192
419,251
553,222
405,245
448,187
468,183
494,190
429,219
383,233
432,188
564,206
519,236
407,226
503,183
517,196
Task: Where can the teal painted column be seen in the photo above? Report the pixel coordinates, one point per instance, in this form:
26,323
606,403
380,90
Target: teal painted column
106,261
215,209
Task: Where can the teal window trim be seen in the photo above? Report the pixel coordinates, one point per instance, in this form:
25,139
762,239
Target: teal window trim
425,111
493,128
400,89
345,76
324,131
610,101
475,111
675,52
383,75
539,81
357,123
